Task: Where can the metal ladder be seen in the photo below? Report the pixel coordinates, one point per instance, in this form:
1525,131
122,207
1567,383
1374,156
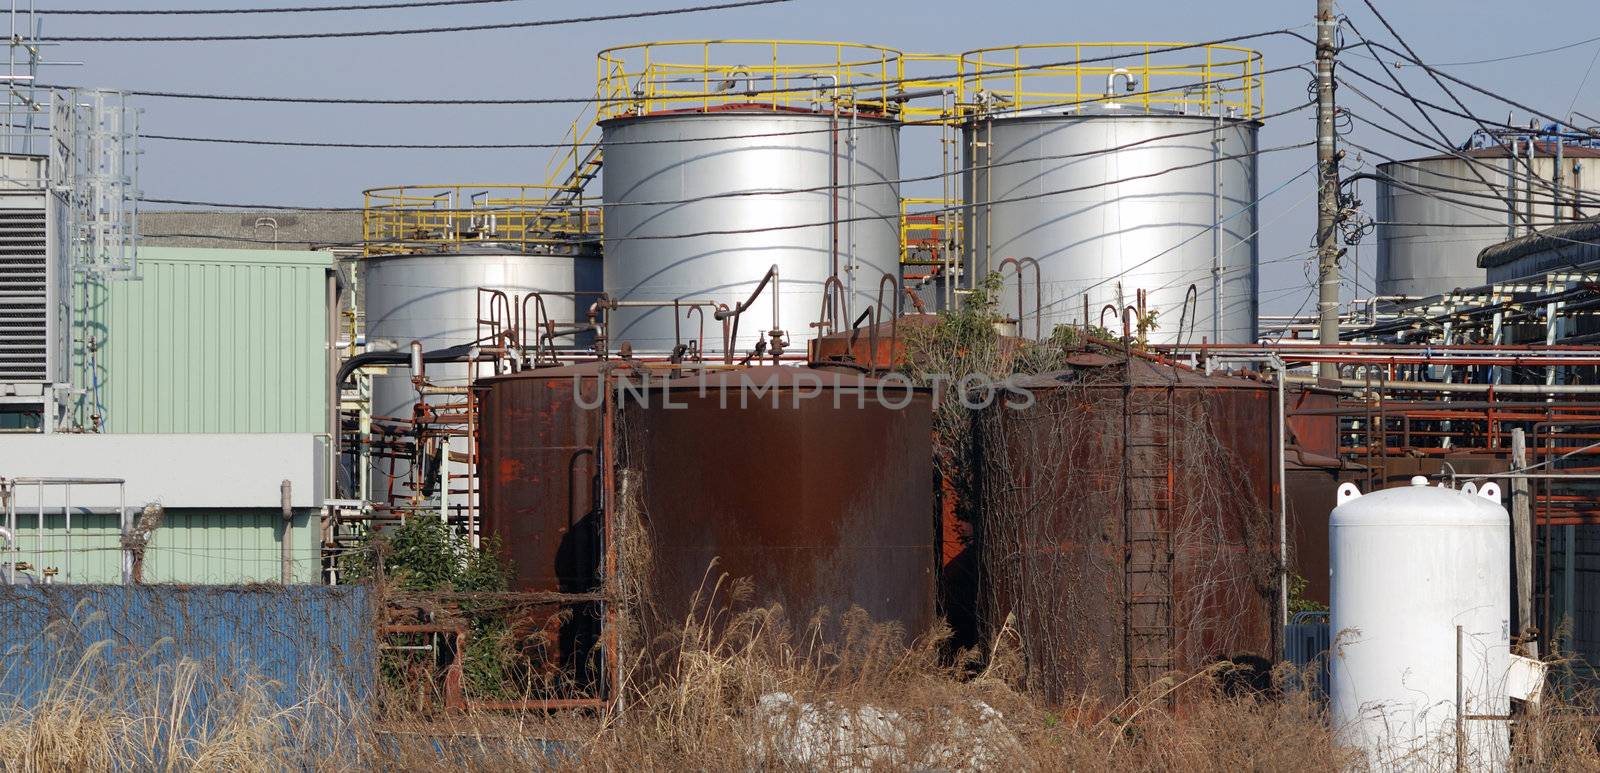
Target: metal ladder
1147,490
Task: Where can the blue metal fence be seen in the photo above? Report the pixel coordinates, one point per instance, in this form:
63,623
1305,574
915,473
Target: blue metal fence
1305,644
288,642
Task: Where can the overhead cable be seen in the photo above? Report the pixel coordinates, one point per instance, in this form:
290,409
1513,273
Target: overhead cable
798,226
410,31
293,9
598,99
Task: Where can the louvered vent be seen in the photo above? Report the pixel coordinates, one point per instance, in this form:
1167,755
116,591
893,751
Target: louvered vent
24,312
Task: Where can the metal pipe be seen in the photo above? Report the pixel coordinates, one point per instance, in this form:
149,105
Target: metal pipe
286,557
1431,386
740,308
66,493
1283,493
1461,739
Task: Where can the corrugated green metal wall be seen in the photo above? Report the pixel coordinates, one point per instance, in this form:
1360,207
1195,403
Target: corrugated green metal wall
190,547
209,340
202,341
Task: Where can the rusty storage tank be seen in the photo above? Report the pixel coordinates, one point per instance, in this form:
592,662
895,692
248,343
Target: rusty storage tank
814,486
1126,528
717,168
539,476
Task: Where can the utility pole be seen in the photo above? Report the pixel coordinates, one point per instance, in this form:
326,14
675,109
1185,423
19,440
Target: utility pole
1327,189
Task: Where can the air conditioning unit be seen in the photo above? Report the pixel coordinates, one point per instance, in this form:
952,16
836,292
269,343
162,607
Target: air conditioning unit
34,296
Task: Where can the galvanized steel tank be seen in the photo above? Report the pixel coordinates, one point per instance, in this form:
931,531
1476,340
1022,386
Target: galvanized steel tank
706,188
1113,192
1435,214
433,298
1410,567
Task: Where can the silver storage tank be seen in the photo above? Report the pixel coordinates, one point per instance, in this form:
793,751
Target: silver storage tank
433,298
1111,197
696,209
1436,214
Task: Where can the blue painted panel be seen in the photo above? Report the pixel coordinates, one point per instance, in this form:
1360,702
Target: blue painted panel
1305,644
304,639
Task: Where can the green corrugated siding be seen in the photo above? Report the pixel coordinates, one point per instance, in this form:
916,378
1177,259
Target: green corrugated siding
212,340
191,547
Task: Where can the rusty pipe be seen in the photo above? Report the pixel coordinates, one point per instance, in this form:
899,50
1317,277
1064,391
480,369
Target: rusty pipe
894,320
770,277
700,338
916,300
828,316
1038,292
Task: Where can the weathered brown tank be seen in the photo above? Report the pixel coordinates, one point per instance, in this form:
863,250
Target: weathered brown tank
539,435
1127,526
814,486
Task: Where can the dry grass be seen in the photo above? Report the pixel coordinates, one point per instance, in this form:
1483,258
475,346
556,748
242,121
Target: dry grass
726,691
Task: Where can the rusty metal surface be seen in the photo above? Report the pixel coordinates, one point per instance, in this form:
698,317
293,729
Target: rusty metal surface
539,473
1310,423
538,468
816,504
1311,492
1127,525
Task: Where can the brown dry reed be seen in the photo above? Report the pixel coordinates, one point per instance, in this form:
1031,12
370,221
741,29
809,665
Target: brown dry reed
727,691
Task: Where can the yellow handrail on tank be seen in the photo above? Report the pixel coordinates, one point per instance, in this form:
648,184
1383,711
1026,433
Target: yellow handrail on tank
445,218
922,73
705,75
931,232
1149,77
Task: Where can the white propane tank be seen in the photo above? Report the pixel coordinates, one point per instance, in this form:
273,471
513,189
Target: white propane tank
1410,566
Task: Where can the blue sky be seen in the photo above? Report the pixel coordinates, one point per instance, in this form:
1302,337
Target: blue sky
559,61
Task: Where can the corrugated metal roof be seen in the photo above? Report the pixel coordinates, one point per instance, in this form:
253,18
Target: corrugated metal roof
211,340
1585,233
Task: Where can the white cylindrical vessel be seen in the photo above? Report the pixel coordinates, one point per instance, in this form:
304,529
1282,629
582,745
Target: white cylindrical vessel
1421,611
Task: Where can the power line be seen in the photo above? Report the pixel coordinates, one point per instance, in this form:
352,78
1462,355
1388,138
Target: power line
1479,89
413,31
821,188
1414,103
798,226
299,9
670,140
1505,58
786,90
1586,73
1449,150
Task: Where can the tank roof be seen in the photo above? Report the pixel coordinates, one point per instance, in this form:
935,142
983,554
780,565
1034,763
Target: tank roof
1100,369
1501,151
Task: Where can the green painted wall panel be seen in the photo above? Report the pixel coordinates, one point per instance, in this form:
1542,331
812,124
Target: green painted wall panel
208,340
192,547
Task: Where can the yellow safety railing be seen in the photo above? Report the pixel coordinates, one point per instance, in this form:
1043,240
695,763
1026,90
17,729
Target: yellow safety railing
703,75
444,218
925,73
1145,76
926,235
